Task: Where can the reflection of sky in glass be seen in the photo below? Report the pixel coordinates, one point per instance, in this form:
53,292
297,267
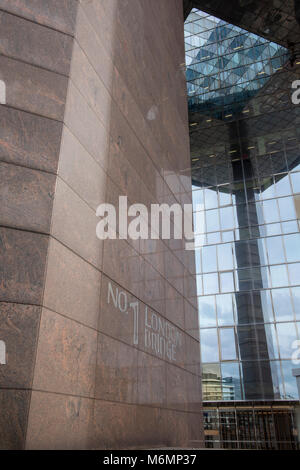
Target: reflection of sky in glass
209,259
292,247
209,345
296,301
226,64
289,227
225,257
225,310
207,311
243,249
271,213
275,250
279,276
210,284
286,337
227,282
266,305
227,340
272,342
286,208
282,303
294,273
295,177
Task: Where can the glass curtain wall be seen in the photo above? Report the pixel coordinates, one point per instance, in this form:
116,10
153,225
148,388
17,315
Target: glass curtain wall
245,138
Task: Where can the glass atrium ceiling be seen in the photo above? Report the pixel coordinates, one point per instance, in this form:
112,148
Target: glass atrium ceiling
226,65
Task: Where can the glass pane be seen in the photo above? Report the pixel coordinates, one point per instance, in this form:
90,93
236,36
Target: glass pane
292,247
209,345
282,305
266,277
199,222
227,219
275,250
270,211
242,254
294,273
199,284
277,380
269,192
283,187
286,208
296,182
198,261
252,340
273,229
279,276
225,309
213,238
228,347
244,307
224,198
225,258
207,311
212,221
210,284
296,301
266,304
228,236
289,227
199,240
211,382
209,259
231,382
272,341
290,383
286,337
211,198
227,282
198,199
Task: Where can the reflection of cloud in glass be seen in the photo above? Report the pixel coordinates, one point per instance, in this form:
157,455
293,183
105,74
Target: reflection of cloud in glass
228,347
225,309
282,304
207,311
286,336
209,345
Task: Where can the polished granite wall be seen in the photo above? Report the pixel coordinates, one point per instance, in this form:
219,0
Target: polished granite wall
95,108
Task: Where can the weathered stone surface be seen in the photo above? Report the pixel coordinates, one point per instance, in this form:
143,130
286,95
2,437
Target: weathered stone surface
37,45
18,329
33,89
22,266
58,14
27,198
29,140
14,406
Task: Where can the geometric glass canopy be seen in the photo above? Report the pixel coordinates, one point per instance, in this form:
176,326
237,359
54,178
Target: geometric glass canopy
226,65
